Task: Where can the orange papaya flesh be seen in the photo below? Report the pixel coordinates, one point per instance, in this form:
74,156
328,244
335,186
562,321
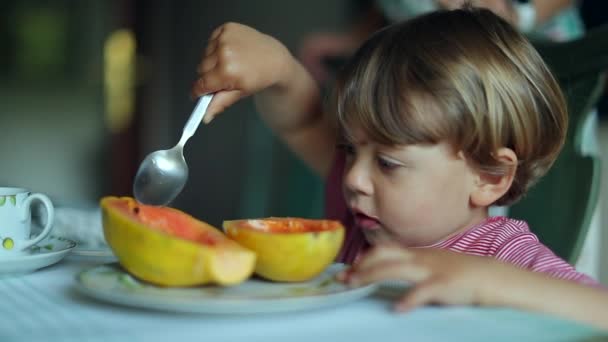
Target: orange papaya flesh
288,249
168,247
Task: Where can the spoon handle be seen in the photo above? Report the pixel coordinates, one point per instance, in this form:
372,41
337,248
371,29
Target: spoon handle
195,118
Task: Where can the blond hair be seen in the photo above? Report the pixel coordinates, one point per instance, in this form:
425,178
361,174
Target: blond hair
466,77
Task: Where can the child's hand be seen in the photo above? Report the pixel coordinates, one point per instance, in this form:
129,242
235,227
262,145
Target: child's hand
438,276
238,62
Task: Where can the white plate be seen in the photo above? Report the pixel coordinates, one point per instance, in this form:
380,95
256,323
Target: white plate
45,253
112,284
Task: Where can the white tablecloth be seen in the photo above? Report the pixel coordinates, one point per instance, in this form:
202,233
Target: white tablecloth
44,306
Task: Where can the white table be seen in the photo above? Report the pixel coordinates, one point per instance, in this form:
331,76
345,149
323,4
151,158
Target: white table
44,306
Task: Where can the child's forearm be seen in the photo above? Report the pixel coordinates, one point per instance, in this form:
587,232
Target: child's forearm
293,110
533,291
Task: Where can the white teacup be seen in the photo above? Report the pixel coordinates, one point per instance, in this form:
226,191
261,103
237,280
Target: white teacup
16,220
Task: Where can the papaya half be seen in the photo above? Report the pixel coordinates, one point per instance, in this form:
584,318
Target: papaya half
288,249
168,247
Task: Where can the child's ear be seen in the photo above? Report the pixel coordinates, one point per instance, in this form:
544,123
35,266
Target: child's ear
489,188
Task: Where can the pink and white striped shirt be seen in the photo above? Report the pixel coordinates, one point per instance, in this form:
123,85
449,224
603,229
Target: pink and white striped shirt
506,239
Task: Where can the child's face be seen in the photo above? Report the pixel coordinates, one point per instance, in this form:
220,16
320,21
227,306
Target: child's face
416,194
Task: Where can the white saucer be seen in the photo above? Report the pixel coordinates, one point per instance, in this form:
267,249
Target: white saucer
112,284
45,253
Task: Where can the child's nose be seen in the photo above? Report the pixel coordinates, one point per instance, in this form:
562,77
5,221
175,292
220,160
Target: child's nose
357,178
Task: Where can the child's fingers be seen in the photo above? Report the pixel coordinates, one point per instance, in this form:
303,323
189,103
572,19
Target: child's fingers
377,256
421,294
391,270
209,53
211,48
220,102
211,82
384,252
216,33
208,64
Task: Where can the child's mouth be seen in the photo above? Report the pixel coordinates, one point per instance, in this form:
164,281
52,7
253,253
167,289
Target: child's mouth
365,222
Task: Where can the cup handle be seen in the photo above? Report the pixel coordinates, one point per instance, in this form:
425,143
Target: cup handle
50,216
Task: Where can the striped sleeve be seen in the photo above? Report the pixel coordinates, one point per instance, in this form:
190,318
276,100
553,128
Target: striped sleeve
524,250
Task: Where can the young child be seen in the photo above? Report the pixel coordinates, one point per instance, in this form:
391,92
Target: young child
438,118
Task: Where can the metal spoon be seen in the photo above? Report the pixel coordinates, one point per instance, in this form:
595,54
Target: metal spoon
163,174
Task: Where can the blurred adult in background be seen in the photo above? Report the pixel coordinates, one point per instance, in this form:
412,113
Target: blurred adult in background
557,20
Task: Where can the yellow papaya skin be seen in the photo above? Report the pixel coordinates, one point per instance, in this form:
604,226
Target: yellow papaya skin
284,255
161,258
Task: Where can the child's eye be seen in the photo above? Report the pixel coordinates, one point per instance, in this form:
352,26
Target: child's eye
386,164
348,149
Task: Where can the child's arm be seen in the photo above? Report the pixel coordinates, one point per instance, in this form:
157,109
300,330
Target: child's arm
450,278
240,61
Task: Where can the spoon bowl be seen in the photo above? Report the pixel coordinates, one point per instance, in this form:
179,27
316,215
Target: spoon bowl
163,174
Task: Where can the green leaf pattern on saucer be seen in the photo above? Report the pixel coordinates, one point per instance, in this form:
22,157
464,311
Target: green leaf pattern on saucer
47,247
